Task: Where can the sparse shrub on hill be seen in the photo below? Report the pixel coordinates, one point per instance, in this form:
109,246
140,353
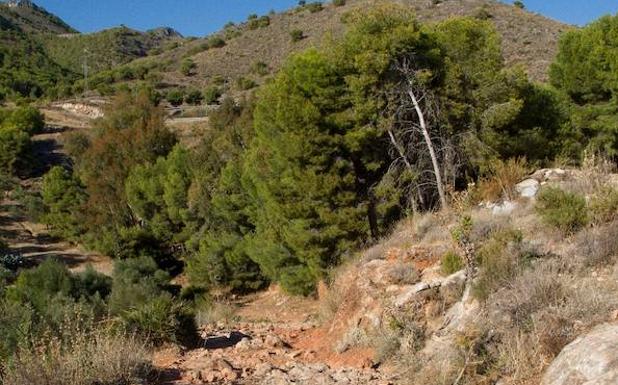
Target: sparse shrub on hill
519,4
502,257
314,7
245,84
216,42
175,97
255,22
187,67
194,97
260,68
339,3
604,205
451,263
296,35
563,210
212,95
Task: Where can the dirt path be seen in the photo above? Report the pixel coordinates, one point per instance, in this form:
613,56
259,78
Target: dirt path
274,339
33,240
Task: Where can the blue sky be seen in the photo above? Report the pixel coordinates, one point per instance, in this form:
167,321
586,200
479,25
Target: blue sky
201,17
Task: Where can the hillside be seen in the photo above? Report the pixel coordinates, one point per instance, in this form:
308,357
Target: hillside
105,49
527,39
29,17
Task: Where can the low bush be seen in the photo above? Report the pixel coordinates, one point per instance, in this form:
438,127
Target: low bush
314,7
563,210
604,205
501,258
500,179
216,42
212,95
161,319
194,97
451,263
338,3
403,274
187,67
141,299
260,68
255,22
175,97
296,35
245,84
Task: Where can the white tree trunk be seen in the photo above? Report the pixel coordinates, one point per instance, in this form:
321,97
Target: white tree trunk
432,152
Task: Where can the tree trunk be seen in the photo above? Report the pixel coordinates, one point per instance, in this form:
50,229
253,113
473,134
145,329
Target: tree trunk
432,153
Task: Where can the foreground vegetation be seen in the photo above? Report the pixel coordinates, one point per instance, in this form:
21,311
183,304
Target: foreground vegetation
389,122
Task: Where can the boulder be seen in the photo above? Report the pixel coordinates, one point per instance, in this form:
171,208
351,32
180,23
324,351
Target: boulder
528,188
504,208
591,359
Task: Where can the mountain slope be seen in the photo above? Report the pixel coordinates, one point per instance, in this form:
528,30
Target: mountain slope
29,17
105,49
527,39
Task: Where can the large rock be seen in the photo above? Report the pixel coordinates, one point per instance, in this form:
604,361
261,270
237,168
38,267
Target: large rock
591,359
528,188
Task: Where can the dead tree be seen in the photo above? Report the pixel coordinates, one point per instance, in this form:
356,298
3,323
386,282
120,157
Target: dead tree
417,143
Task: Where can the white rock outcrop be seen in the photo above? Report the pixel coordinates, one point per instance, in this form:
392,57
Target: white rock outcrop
591,359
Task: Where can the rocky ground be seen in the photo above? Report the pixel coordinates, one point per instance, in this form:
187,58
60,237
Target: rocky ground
272,340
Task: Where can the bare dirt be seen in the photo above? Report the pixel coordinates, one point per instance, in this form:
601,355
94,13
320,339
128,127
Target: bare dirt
274,339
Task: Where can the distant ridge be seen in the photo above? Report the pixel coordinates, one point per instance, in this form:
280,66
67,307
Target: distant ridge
31,18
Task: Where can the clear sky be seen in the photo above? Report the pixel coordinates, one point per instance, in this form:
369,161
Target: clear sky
201,17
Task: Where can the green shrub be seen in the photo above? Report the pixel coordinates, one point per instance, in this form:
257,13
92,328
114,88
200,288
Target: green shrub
135,282
187,67
36,287
212,95
245,83
140,298
175,97
451,263
338,3
260,68
161,319
194,97
297,35
561,209
255,22
500,259
216,42
519,4
27,119
314,7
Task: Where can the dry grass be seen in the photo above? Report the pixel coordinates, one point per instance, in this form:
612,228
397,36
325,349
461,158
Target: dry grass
96,357
215,312
402,273
597,246
501,181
